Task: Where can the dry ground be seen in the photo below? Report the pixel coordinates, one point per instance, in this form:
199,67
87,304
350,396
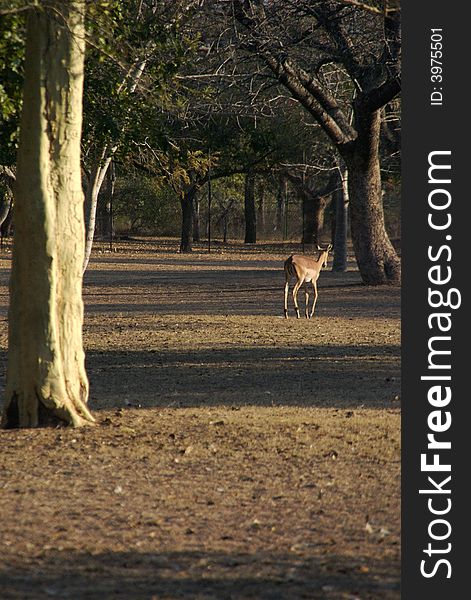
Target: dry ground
237,454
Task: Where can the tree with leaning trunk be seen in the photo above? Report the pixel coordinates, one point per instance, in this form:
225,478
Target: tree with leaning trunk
363,43
131,89
46,378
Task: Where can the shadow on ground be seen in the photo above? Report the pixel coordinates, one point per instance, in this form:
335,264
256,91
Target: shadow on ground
333,377
336,376
202,575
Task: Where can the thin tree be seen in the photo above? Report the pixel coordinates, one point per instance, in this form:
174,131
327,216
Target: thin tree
46,378
340,225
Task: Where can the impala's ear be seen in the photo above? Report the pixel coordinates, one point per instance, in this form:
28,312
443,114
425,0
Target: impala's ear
330,247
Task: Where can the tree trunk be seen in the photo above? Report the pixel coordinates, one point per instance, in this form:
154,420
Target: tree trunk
314,202
108,226
5,206
196,219
9,178
313,217
377,260
339,237
91,201
105,201
187,200
280,206
250,212
224,228
261,209
6,226
46,379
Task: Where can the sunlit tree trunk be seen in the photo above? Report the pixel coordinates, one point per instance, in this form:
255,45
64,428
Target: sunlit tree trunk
97,178
46,379
340,233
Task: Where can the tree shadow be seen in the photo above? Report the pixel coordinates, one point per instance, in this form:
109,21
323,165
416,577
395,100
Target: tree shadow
331,376
328,377
201,575
232,292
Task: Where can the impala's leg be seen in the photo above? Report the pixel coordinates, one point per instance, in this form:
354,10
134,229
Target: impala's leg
297,285
306,293
286,296
314,285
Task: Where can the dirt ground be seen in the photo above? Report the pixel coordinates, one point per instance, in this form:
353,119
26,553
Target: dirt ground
236,455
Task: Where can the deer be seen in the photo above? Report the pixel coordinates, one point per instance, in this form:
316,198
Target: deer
306,270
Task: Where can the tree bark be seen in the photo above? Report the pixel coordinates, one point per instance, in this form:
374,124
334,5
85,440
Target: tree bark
340,232
105,202
261,209
313,217
186,201
314,202
6,226
196,219
46,379
91,201
249,209
377,260
9,178
5,206
280,205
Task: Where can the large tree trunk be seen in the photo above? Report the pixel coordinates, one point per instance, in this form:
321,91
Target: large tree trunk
186,201
249,209
340,230
379,81
377,260
46,379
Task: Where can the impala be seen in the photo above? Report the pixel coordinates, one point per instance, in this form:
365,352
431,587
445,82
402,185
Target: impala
305,270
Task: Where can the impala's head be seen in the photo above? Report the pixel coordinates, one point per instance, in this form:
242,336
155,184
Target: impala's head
324,254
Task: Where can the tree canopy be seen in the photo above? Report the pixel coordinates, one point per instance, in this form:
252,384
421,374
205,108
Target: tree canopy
174,89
